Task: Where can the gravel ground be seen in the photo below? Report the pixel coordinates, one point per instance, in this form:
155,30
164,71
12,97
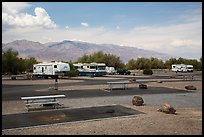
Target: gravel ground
187,121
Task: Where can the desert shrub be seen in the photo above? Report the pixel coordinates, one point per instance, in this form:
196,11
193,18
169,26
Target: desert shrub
147,72
72,73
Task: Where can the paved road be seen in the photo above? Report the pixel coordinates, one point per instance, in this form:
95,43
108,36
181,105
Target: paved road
64,115
15,92
152,95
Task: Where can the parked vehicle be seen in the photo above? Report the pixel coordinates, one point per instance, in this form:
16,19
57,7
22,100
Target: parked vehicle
110,70
182,68
123,72
50,69
189,68
91,69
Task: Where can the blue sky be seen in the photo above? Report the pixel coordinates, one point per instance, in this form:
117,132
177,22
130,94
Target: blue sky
168,27
126,14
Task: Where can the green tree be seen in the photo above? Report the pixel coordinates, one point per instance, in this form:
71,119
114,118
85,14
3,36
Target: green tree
156,63
131,64
29,64
169,62
85,59
10,62
143,63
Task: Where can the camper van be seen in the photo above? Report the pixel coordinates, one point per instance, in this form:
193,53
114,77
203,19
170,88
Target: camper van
91,69
51,69
189,68
110,70
182,68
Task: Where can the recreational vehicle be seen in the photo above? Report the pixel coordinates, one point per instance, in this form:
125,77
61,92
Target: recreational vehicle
91,69
110,70
189,68
182,68
50,69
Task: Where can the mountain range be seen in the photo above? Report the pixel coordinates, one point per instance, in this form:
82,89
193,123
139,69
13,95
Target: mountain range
71,50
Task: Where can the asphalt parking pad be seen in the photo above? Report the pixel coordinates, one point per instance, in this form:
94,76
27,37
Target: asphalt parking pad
64,115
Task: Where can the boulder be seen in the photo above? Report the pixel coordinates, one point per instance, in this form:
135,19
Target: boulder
143,86
137,101
190,87
167,108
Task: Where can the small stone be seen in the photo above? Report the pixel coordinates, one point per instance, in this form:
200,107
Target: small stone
190,87
132,79
143,86
167,108
159,81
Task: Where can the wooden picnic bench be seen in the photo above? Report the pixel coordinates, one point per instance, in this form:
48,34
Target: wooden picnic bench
42,100
124,84
186,77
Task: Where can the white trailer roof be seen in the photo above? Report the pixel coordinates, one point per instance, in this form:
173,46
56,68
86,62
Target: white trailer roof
50,63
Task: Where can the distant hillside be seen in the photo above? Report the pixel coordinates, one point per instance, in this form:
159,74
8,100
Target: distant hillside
71,50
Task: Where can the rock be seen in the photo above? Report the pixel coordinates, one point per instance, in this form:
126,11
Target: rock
190,87
159,81
143,86
137,100
132,79
167,108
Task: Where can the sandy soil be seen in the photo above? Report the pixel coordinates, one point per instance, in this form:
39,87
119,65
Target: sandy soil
186,121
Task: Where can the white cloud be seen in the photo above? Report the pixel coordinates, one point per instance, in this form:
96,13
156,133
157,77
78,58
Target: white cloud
117,27
182,42
66,27
14,7
12,17
84,24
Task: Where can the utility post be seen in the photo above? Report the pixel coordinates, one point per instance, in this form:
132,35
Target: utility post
56,82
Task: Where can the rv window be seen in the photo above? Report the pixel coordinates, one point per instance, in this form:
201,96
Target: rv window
45,67
101,67
92,67
55,66
34,68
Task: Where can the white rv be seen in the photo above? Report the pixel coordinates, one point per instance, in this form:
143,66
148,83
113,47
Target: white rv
182,68
50,69
110,70
91,69
189,68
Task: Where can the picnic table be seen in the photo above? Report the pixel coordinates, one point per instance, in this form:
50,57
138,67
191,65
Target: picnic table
42,100
124,84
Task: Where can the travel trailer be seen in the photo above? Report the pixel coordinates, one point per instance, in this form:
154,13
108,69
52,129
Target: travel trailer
110,70
189,68
182,68
91,69
51,69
